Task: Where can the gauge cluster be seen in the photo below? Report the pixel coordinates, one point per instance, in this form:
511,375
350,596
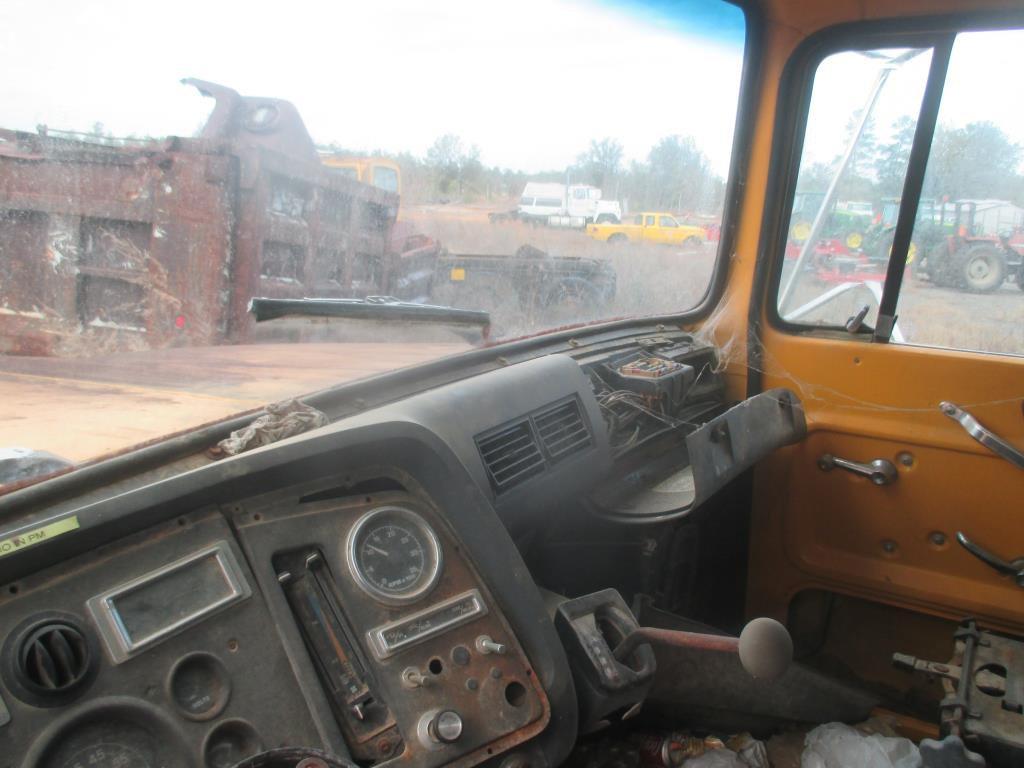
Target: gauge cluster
414,656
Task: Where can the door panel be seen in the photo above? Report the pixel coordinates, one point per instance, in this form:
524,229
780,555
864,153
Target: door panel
838,531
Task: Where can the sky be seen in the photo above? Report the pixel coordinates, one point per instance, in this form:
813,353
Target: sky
529,83
981,85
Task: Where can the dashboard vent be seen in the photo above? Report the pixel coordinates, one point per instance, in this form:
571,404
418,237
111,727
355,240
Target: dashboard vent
562,430
53,659
511,455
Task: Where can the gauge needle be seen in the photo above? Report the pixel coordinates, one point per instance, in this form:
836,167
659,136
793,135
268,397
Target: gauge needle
378,550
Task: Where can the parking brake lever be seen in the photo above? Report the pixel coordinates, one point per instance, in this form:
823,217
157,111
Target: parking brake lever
764,646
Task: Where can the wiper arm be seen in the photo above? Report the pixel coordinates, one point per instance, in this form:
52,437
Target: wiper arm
370,308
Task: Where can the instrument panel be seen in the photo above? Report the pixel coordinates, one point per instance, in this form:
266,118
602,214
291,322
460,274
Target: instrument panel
229,631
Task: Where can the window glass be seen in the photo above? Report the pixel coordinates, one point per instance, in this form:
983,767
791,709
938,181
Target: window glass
385,178
667,221
129,252
648,221
964,286
863,114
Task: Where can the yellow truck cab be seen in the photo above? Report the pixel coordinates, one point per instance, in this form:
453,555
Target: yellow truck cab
379,172
758,507
649,227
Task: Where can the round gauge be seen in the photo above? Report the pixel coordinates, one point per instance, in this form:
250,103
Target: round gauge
394,555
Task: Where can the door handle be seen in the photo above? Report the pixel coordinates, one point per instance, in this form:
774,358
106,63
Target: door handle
1014,568
878,471
986,437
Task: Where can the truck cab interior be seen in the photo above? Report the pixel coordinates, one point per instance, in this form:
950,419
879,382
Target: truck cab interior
642,541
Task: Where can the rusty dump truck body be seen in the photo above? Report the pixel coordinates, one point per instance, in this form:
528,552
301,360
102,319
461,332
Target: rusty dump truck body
160,242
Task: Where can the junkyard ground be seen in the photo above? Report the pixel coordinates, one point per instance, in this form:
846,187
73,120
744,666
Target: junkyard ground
81,408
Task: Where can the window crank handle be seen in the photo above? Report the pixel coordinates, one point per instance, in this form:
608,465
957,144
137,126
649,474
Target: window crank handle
1014,568
878,471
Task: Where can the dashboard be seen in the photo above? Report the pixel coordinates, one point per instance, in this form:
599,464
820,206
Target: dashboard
356,589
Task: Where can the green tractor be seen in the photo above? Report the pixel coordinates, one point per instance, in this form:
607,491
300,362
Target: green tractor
846,226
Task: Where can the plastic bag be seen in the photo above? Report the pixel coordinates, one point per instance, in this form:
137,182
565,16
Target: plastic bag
835,745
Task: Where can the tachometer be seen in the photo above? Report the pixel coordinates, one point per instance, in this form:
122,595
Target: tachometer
394,555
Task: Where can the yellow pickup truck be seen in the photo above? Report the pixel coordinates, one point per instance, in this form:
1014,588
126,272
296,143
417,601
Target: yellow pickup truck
649,228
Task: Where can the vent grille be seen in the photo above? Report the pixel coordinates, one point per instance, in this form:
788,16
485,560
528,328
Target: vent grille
511,455
54,658
516,452
562,431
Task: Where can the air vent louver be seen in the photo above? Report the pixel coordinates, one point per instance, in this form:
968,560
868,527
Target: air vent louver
53,658
511,455
562,431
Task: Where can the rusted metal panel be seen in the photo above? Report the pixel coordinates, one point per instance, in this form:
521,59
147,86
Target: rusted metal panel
157,243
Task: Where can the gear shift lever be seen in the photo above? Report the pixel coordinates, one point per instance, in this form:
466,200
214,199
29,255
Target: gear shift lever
764,646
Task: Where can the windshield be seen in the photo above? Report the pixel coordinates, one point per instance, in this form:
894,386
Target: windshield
164,168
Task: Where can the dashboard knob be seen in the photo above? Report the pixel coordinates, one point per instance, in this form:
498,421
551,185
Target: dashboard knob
446,727
484,644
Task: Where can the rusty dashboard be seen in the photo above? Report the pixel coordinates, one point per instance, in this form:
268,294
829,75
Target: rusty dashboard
352,590
356,589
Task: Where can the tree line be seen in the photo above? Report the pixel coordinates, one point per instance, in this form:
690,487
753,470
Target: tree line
975,161
675,176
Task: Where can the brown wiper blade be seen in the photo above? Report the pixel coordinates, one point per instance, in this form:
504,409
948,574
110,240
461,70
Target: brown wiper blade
370,308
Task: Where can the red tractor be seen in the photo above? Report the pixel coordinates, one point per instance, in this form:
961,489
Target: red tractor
972,261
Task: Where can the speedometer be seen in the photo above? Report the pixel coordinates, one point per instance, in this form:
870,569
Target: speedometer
394,555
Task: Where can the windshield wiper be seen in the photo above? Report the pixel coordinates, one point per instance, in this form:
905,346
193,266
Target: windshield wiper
370,308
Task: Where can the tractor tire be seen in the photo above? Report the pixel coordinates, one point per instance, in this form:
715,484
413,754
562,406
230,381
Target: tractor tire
606,218
618,239
982,269
800,231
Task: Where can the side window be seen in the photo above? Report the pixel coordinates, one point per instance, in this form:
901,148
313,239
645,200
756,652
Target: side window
963,285
579,193
648,221
863,113
638,219
667,221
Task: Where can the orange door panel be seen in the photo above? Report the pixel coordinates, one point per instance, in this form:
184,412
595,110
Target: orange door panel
893,543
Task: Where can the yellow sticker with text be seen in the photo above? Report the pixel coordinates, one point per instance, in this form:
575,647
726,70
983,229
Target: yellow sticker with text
458,274
38,535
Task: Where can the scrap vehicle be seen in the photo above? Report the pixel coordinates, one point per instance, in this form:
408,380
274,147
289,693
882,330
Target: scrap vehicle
751,528
649,227
163,242
381,172
572,206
